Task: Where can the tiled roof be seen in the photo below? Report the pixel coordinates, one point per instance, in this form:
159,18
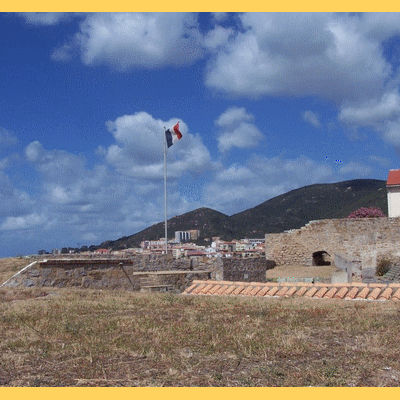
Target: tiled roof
393,177
347,291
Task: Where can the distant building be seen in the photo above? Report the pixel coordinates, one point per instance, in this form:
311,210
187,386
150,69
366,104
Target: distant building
393,193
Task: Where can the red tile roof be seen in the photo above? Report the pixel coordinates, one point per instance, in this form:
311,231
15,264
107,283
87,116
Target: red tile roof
350,291
393,177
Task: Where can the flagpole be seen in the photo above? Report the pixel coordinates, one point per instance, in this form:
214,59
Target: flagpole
165,194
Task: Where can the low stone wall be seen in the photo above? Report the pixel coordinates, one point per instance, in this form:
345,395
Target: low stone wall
136,272
100,277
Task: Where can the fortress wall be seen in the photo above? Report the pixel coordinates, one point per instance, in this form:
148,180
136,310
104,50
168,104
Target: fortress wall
354,237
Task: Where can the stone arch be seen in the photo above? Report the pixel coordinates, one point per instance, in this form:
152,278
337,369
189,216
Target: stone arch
320,258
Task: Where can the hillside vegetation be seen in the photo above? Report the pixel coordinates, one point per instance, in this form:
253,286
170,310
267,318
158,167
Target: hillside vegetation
288,211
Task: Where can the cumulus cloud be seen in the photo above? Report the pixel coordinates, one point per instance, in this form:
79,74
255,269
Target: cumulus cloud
312,118
372,112
44,18
356,170
326,55
7,138
236,130
131,40
263,178
23,222
217,38
381,114
138,151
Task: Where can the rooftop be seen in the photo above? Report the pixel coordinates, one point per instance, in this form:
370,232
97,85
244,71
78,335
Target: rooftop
342,291
393,177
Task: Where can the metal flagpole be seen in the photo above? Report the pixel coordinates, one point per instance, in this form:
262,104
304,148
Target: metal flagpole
165,193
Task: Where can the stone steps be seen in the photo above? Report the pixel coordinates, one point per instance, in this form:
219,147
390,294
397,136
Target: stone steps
393,274
153,283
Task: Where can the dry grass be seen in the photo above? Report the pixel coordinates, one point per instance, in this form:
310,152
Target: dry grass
115,338
78,337
10,266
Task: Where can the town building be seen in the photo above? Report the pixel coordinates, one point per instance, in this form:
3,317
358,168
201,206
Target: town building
393,193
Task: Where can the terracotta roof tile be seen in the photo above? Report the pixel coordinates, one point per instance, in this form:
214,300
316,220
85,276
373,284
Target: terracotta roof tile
214,289
332,291
238,289
290,292
393,177
263,291
374,294
255,290
282,291
190,288
386,294
363,293
348,291
311,292
199,288
272,291
352,293
321,292
207,288
341,293
396,296
230,289
247,290
301,291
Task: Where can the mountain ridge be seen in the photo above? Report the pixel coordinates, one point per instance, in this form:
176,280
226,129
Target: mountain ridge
290,210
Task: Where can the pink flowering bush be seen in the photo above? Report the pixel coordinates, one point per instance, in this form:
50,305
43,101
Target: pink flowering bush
367,212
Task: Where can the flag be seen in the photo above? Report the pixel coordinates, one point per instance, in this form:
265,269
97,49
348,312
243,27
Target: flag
172,135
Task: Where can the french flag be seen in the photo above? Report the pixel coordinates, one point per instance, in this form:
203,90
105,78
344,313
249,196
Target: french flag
172,135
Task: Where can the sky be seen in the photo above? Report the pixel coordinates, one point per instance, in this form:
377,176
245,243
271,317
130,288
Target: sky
267,103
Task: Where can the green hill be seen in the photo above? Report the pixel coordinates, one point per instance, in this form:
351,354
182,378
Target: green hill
287,211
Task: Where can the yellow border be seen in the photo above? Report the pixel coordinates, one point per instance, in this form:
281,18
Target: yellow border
198,393
203,6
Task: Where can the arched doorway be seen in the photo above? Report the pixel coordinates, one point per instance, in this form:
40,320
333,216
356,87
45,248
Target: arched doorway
320,258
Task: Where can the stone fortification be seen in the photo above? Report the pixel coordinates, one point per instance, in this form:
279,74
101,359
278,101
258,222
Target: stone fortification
360,241
137,272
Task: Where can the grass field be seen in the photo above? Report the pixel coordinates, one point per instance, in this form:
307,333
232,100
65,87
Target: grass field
78,337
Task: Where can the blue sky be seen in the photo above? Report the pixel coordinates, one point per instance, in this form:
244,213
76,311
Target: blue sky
267,103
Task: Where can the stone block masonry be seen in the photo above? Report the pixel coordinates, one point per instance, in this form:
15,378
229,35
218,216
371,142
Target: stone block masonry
152,271
360,240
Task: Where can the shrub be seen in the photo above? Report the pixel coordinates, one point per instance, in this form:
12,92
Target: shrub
367,212
383,267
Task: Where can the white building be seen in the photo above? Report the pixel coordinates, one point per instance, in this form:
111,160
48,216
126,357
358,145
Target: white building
393,193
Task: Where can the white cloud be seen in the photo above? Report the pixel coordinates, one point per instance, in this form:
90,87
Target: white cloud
236,131
44,18
23,222
138,151
301,54
241,187
372,112
218,37
312,118
356,170
7,138
148,40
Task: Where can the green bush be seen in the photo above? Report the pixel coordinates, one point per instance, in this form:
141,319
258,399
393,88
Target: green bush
383,267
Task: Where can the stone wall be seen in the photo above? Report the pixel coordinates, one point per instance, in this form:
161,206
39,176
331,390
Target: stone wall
136,272
245,270
359,239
